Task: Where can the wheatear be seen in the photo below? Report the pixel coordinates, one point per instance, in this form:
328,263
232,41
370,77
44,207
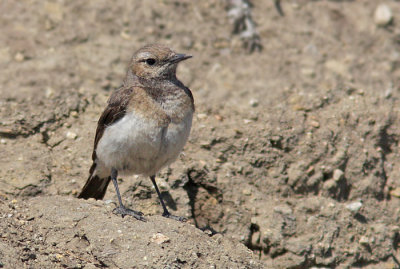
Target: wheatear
144,126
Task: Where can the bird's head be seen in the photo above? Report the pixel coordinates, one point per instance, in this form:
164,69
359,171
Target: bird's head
156,62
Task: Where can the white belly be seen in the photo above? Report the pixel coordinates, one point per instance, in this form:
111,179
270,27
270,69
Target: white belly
134,145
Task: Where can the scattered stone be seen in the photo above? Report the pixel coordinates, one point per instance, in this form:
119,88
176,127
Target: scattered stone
74,114
283,209
364,241
338,174
253,102
337,67
395,192
354,207
3,141
19,57
246,192
298,246
314,123
309,72
49,92
201,116
219,117
205,144
125,35
383,15
160,238
59,256
329,184
71,135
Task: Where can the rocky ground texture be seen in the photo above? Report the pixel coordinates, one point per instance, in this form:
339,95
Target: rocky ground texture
293,160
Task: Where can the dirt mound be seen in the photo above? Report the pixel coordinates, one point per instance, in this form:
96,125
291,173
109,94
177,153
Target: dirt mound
74,233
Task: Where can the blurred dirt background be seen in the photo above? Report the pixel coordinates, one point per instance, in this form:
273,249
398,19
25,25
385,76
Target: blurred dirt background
294,151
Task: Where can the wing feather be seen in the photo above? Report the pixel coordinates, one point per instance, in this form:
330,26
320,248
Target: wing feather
116,109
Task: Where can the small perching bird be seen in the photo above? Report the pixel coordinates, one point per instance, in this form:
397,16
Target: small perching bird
144,126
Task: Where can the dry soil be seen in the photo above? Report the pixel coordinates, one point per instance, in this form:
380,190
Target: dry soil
293,160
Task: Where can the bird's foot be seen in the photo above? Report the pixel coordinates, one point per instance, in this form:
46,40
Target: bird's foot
123,211
170,216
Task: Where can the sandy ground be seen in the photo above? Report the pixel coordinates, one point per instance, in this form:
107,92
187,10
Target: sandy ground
293,160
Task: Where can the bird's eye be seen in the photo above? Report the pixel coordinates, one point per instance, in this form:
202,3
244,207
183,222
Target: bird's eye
150,61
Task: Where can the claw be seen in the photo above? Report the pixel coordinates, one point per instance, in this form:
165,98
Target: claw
123,211
178,218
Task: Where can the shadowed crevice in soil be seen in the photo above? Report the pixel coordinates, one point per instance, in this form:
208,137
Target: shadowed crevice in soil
196,180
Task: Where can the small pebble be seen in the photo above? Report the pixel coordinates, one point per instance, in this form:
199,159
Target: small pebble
71,135
75,192
218,117
49,92
383,15
364,241
354,207
338,174
159,238
3,141
19,57
59,256
395,192
163,185
329,184
246,192
74,114
309,72
208,232
337,67
201,116
314,123
283,209
253,102
125,35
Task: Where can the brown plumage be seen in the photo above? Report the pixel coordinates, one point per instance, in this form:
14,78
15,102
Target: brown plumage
144,126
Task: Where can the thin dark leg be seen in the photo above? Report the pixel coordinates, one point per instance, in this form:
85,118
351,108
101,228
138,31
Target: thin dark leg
122,210
166,212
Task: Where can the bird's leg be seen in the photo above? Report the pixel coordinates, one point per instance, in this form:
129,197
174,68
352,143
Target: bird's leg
165,213
122,210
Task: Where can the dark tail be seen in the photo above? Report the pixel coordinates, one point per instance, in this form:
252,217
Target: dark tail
95,186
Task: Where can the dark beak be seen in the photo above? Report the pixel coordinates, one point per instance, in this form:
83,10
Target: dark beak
179,57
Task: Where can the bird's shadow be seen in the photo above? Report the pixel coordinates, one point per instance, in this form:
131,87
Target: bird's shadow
166,196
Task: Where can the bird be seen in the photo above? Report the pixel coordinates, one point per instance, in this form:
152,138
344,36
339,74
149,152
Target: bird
144,126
